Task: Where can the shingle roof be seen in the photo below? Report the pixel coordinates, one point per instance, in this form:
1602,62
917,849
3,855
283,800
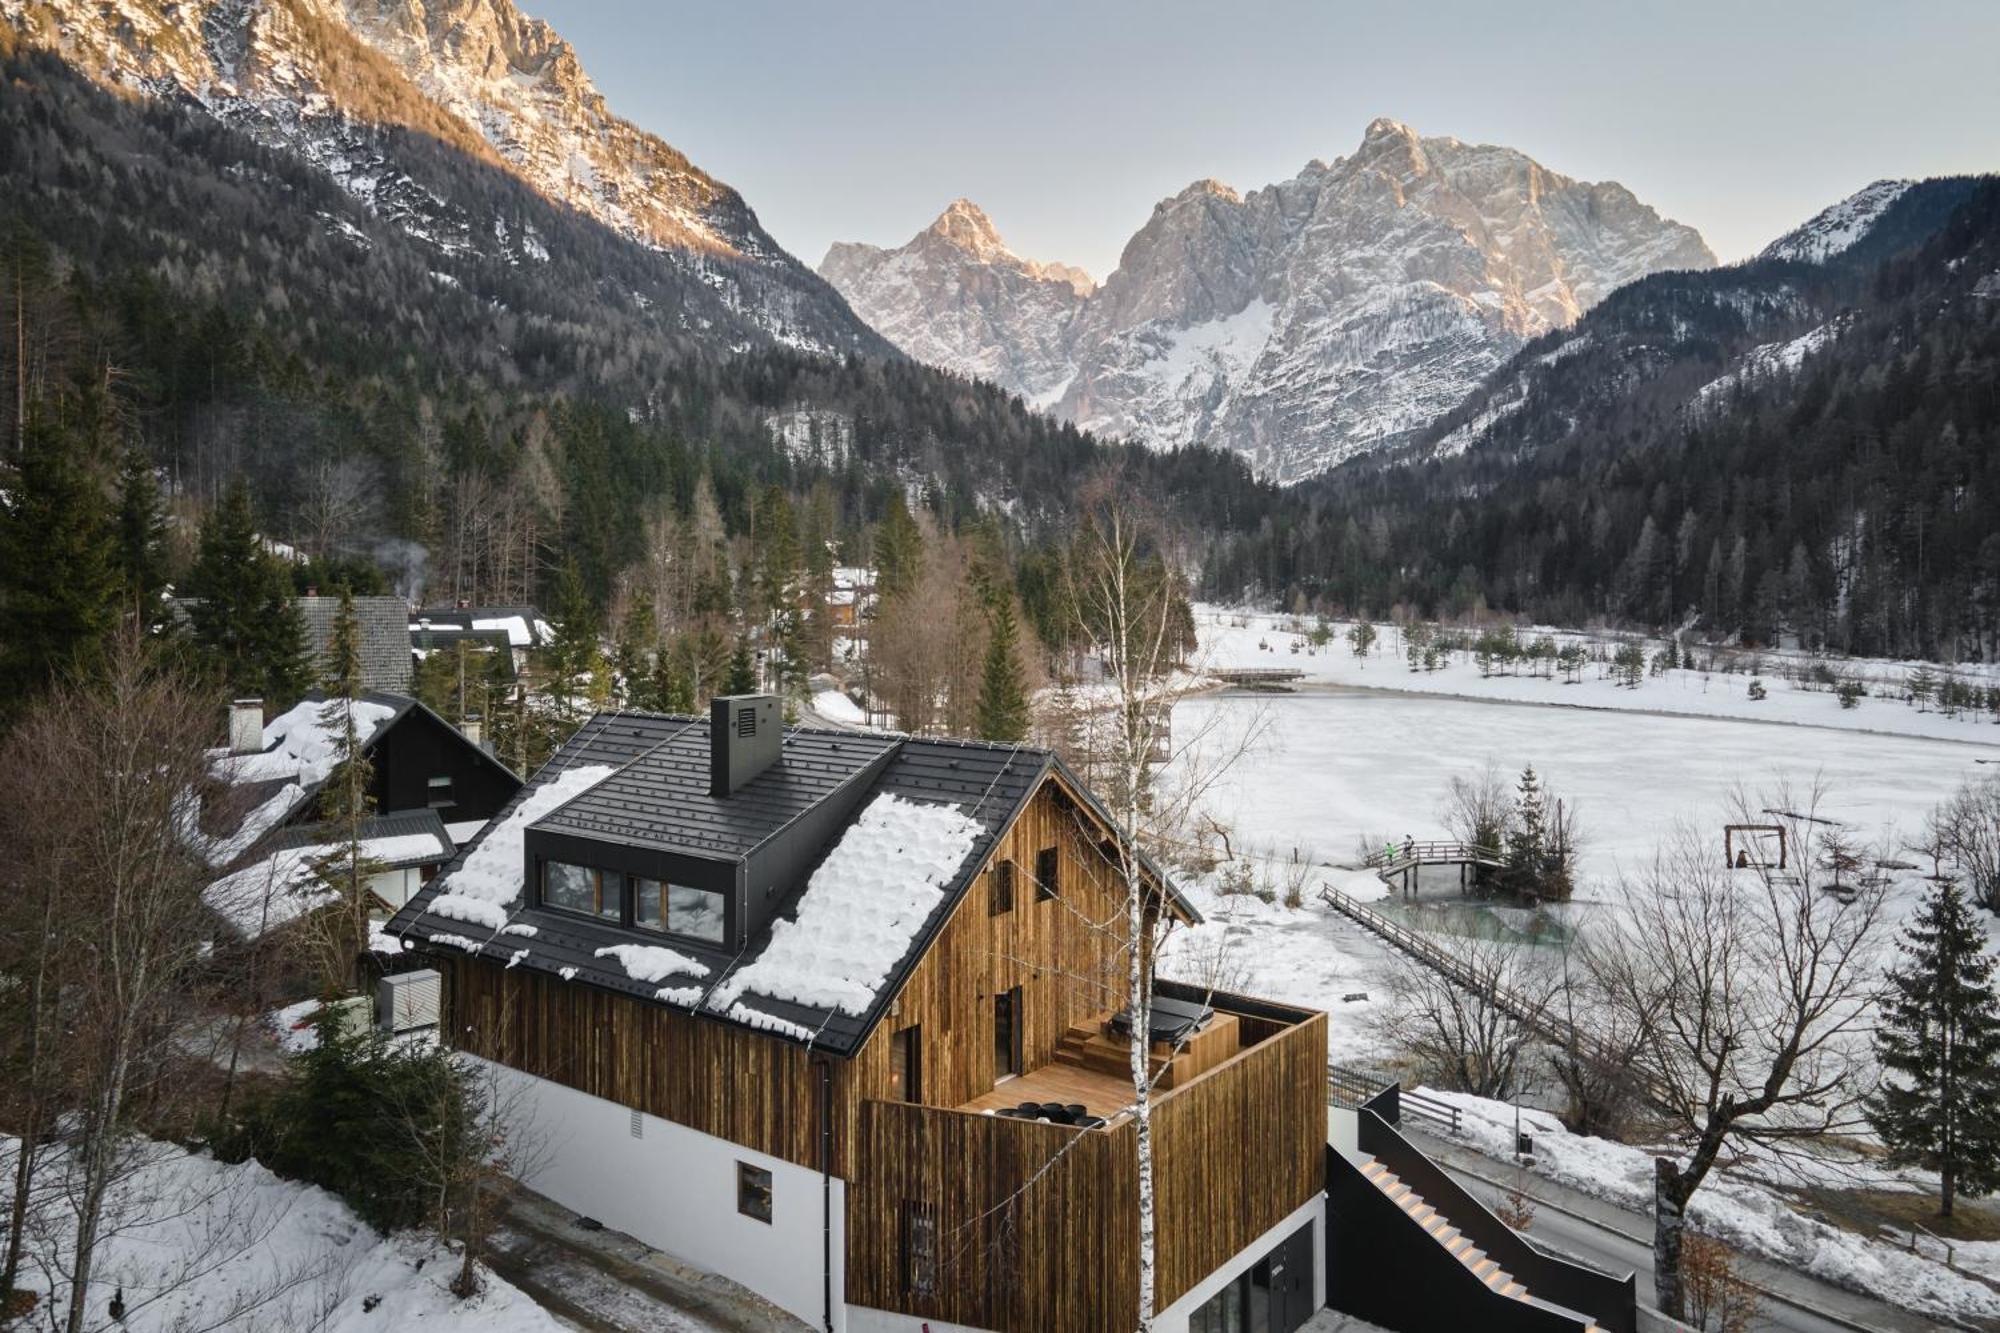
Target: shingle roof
385,638
659,792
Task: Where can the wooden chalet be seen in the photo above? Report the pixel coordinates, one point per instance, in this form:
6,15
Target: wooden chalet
836,1015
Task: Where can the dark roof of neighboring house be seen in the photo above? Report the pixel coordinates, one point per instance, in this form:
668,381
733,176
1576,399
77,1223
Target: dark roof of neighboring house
222,819
521,626
399,824
385,637
658,794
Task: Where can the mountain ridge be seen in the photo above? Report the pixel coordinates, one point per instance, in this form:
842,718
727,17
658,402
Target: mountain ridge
1304,322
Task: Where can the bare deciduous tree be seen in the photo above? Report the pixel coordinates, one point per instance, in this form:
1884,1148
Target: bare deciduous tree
1964,831
1480,1038
1750,993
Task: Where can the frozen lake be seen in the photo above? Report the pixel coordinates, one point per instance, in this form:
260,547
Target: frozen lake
1333,767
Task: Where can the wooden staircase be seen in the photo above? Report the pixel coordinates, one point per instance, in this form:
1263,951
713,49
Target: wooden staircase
1089,1046
1455,1243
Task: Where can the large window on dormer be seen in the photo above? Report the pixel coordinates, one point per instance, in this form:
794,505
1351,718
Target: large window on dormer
678,909
583,889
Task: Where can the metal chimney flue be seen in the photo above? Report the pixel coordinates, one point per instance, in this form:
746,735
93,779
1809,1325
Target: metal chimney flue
745,735
246,726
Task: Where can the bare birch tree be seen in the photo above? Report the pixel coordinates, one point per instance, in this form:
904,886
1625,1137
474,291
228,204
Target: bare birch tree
112,762
1750,994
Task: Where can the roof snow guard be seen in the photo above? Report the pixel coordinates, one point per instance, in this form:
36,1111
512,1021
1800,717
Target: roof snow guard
841,856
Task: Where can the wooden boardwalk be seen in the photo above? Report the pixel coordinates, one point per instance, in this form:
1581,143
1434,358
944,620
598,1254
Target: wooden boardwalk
1559,1032
1257,678
1404,859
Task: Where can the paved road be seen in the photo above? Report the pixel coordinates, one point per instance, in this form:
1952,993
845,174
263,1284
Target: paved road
1616,1240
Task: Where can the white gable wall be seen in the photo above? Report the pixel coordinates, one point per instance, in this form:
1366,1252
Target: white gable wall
675,1189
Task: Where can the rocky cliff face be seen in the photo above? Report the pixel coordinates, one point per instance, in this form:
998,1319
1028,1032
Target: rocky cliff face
956,296
1321,317
336,80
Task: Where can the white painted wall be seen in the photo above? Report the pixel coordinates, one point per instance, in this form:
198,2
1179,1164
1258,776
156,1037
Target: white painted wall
675,1189
1174,1319
1343,1131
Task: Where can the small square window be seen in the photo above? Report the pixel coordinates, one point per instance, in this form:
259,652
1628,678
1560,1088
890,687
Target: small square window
439,791
753,1191
1000,888
1048,867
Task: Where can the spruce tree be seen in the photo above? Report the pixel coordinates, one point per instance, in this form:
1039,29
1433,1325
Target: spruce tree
742,675
247,627
578,675
345,802
1003,699
899,549
672,689
1527,839
58,567
141,541
1939,1045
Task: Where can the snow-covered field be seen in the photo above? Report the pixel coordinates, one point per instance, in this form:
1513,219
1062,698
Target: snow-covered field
194,1243
1232,638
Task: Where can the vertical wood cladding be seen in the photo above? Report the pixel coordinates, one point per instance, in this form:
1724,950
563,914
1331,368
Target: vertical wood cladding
1037,1224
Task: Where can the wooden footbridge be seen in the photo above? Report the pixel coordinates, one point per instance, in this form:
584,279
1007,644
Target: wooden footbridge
1257,678
1530,1013
1400,861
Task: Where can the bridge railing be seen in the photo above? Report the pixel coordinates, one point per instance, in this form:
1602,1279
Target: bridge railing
1454,969
1402,855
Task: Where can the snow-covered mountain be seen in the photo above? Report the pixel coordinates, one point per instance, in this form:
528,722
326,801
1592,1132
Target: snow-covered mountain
354,86
1834,230
1311,320
956,296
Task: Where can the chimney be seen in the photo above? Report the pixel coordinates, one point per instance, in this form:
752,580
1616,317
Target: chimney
745,734
246,726
474,729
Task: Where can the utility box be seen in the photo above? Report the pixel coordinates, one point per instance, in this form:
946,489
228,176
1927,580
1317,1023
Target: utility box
408,1001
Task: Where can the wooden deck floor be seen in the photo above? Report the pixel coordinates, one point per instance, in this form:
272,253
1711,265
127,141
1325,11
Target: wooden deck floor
1103,1094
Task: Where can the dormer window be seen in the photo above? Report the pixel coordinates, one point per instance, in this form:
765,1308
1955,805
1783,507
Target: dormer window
583,889
679,909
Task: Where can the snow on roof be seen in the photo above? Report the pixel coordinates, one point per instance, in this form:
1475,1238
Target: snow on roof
519,635
281,888
651,962
861,910
491,871
302,744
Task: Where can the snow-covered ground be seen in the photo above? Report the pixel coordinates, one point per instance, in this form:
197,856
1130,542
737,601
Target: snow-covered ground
197,1243
1232,638
1747,1208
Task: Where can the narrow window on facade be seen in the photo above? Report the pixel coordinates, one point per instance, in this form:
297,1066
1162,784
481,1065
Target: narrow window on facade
1000,888
919,1248
753,1191
440,794
1048,865
906,1065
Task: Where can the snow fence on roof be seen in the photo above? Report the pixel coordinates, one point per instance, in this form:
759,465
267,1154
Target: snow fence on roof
861,910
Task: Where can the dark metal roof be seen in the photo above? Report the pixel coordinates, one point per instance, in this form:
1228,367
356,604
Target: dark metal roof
385,637
991,783
402,823
662,798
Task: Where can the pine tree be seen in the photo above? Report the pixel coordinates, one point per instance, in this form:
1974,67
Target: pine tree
58,568
742,674
1003,699
245,623
899,549
1939,1040
1527,839
141,540
346,801
631,664
671,689
578,677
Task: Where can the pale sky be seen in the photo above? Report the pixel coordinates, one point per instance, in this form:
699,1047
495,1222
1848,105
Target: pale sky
861,119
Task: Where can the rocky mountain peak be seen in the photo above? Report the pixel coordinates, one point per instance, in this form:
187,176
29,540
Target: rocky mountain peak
1315,318
965,225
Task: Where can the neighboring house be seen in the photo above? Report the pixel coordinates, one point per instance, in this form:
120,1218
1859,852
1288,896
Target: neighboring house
521,629
774,998
385,645
263,821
